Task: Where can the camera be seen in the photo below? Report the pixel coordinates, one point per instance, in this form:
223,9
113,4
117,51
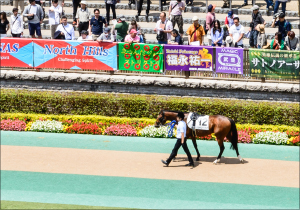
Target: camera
275,15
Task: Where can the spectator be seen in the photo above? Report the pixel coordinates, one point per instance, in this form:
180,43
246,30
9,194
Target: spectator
291,41
132,37
283,25
39,2
76,4
283,6
237,32
196,32
189,3
106,36
228,42
246,3
20,3
226,4
16,24
269,4
175,14
130,2
97,24
163,29
110,4
229,19
83,17
210,18
217,34
261,38
137,27
84,36
178,38
225,35
140,7
35,16
256,19
121,27
55,13
277,43
4,25
66,30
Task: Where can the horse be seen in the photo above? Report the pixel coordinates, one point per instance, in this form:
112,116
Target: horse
220,125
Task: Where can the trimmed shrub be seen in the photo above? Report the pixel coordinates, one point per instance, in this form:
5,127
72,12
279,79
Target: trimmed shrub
138,106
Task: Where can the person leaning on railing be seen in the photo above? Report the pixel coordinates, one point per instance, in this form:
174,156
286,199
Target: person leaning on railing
196,32
121,27
217,34
291,42
132,37
277,43
106,36
237,32
64,30
178,38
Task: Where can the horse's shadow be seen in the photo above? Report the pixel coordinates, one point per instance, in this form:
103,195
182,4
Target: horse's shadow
226,160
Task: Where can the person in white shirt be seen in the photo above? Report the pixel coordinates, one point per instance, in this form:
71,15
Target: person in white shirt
237,32
55,11
163,29
66,29
106,36
84,36
16,24
181,140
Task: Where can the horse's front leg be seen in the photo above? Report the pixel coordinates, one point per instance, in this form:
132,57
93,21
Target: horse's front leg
196,148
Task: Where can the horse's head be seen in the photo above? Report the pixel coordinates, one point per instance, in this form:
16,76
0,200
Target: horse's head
161,119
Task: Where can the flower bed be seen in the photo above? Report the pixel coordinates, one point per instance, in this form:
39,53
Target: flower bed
98,125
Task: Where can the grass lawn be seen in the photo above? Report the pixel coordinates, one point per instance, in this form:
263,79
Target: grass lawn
31,205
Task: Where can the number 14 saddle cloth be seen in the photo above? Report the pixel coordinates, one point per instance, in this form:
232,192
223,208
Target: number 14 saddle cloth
196,121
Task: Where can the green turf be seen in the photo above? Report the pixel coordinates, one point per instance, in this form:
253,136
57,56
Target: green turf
32,205
142,193
141,144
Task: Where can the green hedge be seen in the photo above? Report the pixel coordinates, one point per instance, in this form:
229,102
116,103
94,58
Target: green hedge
138,106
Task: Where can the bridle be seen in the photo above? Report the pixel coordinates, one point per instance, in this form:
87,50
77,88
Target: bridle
162,119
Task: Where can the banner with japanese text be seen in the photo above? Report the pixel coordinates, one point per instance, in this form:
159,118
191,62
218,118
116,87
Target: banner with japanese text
188,58
274,63
69,54
229,60
16,52
140,57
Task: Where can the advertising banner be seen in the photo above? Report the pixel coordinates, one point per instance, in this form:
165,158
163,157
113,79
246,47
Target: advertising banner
274,63
229,60
140,57
16,53
188,58
69,54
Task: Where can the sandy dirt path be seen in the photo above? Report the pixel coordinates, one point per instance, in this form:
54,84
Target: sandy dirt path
148,165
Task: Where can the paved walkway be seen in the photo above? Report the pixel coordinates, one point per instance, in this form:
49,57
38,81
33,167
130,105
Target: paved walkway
127,172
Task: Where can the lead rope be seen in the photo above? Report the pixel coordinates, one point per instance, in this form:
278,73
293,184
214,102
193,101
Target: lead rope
171,126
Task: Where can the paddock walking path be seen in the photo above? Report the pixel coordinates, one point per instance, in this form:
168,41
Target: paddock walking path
127,172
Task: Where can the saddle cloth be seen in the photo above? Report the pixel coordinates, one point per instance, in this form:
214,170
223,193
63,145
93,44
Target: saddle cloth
198,122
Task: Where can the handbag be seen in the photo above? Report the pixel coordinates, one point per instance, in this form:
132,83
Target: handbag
30,17
162,36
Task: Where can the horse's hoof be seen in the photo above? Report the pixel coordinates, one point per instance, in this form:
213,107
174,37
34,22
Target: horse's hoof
216,161
174,159
242,161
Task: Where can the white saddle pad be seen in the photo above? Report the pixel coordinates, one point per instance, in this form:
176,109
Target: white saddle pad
202,123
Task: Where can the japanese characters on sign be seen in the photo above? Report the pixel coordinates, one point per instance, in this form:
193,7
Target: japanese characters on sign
275,64
229,60
188,58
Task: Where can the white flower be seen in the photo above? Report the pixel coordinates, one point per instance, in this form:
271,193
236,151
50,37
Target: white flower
270,137
161,132
47,126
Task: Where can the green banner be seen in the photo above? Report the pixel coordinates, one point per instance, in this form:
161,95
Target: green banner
274,63
140,57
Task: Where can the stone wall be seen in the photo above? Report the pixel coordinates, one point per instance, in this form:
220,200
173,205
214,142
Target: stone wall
150,85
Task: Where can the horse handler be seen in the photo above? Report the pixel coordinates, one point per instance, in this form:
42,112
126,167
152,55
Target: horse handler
181,140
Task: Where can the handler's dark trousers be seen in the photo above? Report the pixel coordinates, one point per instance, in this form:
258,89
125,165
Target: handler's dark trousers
176,148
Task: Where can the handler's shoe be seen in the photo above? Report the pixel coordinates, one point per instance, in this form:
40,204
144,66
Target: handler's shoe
190,164
165,162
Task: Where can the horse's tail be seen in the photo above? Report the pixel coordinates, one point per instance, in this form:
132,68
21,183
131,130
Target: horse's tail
234,137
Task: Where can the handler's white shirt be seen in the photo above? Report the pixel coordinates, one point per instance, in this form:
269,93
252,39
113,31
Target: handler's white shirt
168,27
181,128
68,28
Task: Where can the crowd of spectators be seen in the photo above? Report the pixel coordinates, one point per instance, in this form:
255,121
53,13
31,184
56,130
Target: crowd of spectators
96,27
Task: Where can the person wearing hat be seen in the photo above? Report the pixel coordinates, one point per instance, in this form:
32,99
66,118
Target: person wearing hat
261,38
227,42
84,36
237,32
121,27
65,30
196,32
210,18
83,17
229,19
256,20
283,25
106,36
132,37
181,141
76,4
97,23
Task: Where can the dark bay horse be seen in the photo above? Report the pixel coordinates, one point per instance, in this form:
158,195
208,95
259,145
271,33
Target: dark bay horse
219,125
